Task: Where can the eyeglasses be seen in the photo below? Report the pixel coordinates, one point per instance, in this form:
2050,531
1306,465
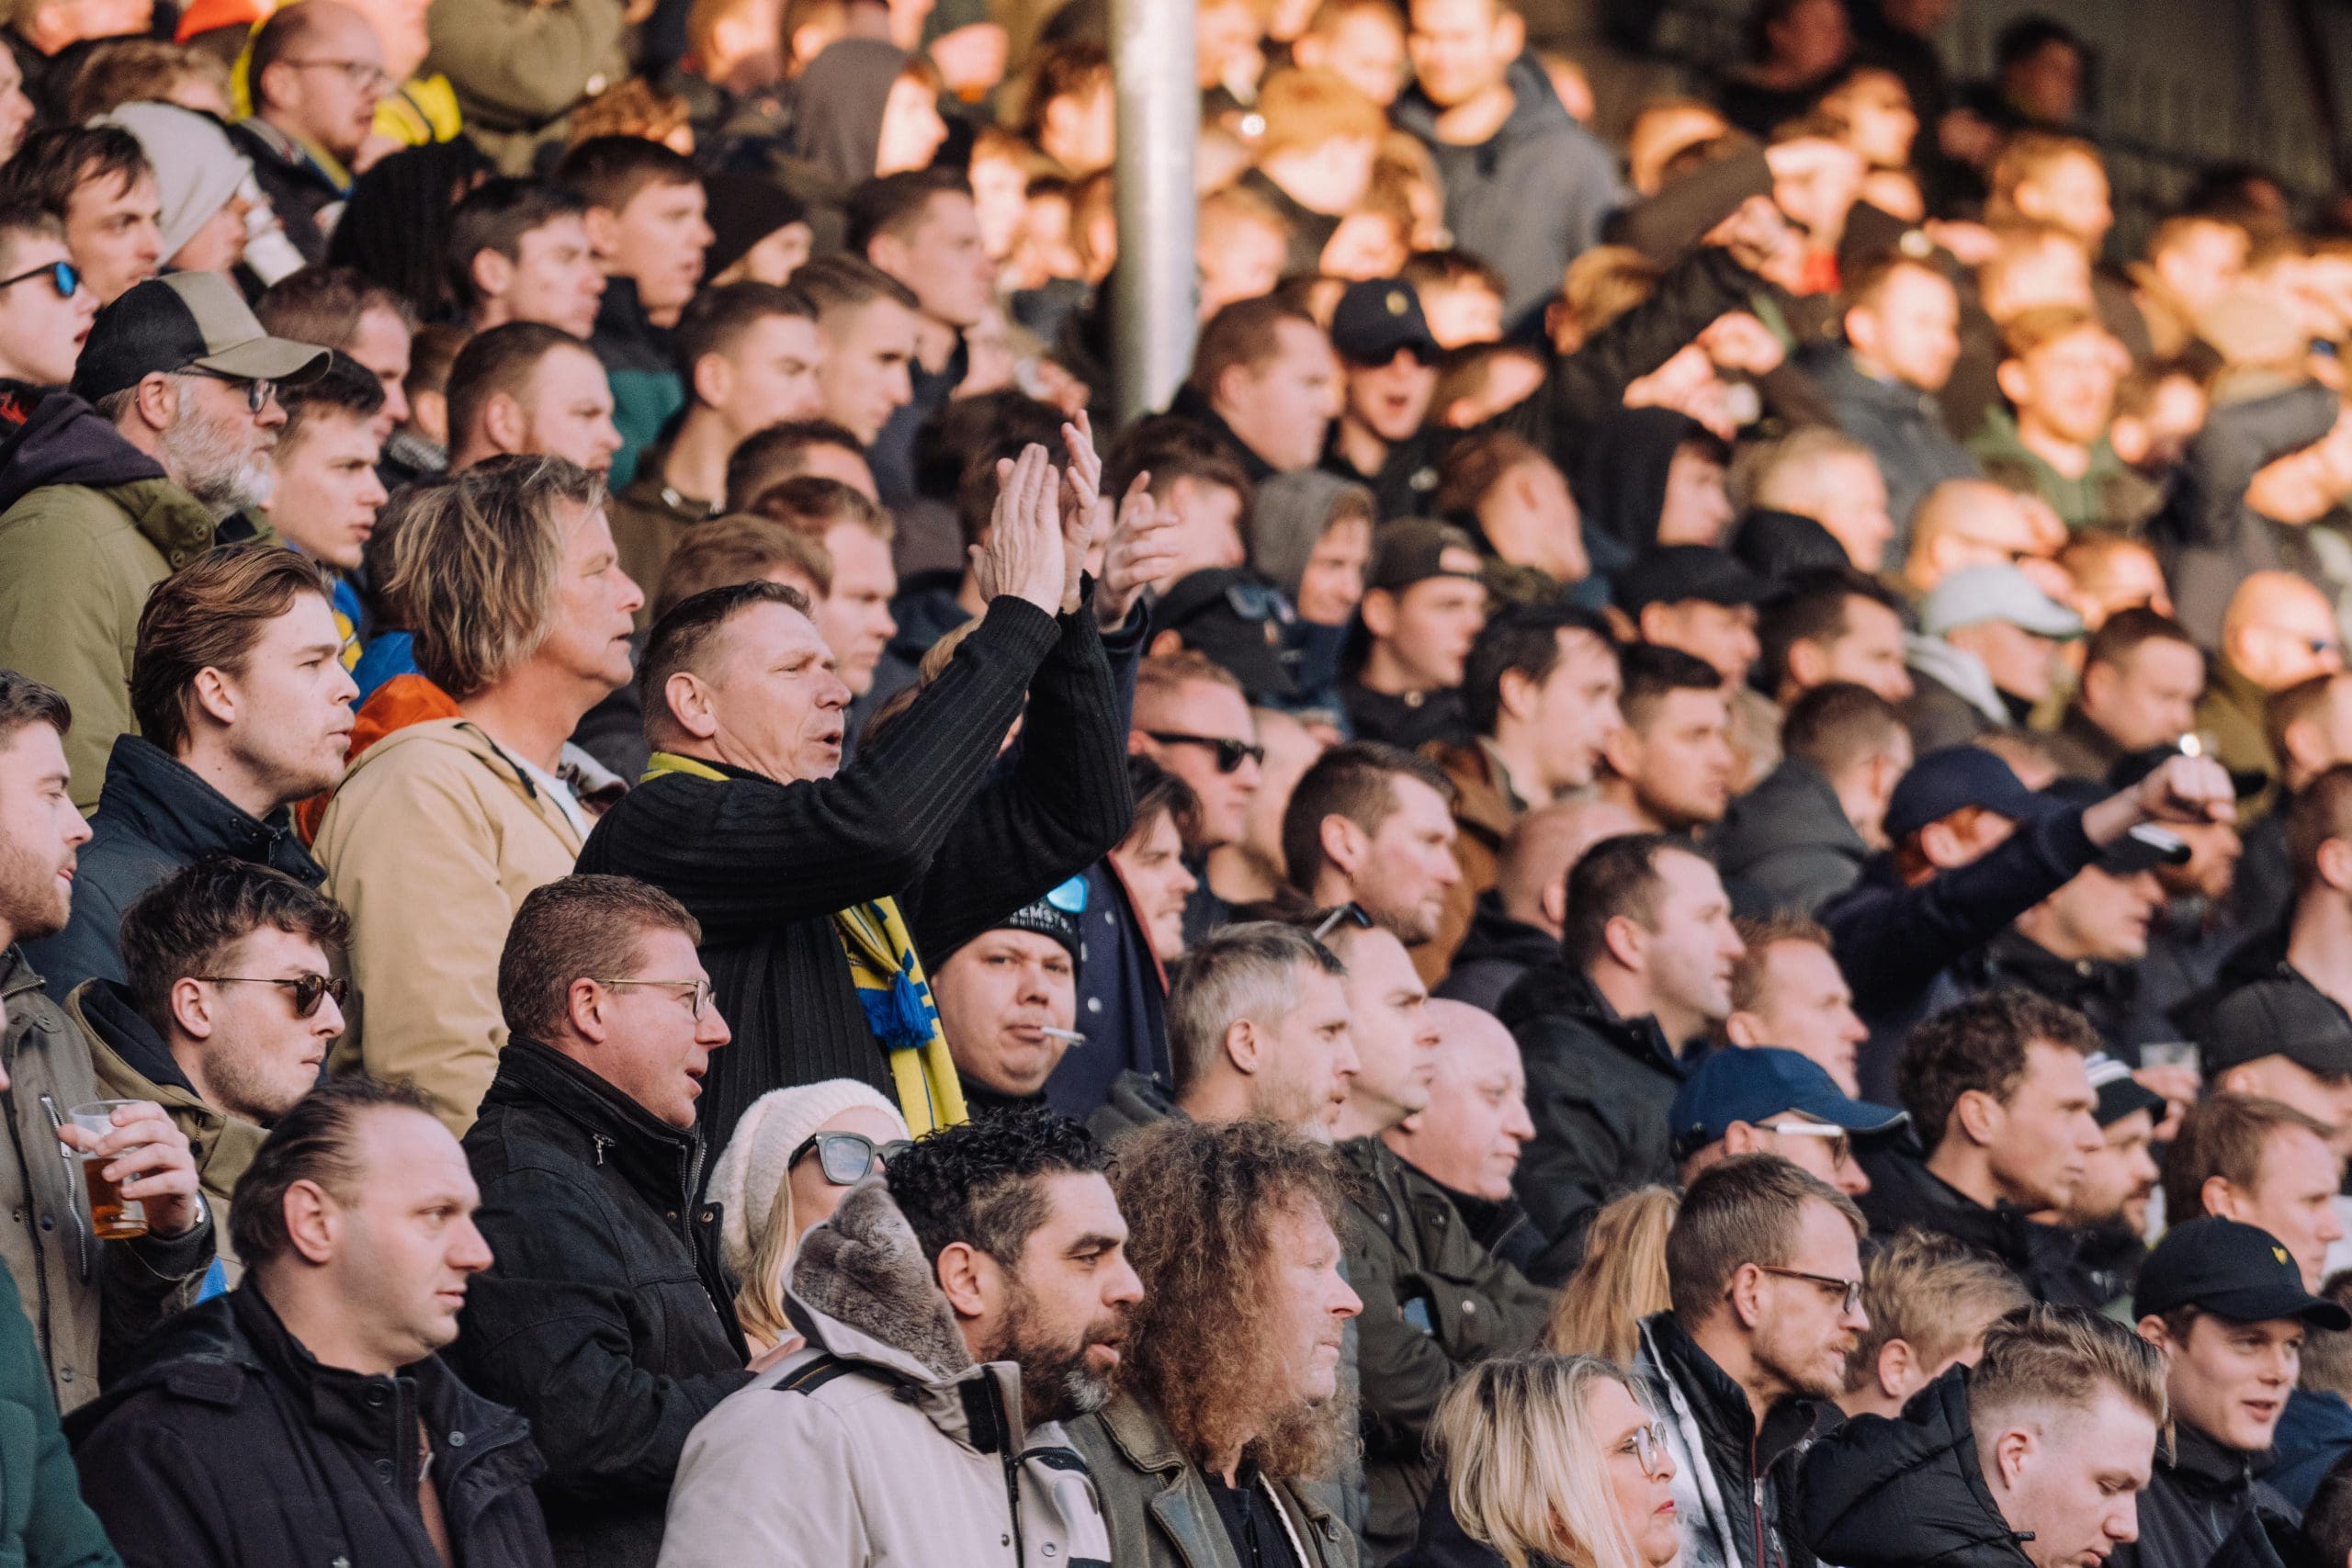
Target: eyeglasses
696,1001
257,392
362,75
63,276
1231,754
1841,1147
1850,1291
1351,911
847,1158
1648,1446
308,989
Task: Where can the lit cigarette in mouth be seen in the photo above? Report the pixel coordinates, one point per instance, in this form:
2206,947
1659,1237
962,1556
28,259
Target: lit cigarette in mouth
1068,1036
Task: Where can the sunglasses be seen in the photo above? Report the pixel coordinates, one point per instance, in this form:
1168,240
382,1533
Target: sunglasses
63,276
308,989
258,393
847,1158
1231,754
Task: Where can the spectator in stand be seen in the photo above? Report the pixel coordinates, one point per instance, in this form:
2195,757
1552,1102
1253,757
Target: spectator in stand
2048,1442
1931,1303
1504,147
1192,718
2060,375
2190,262
527,388
1314,158
2279,632
82,1314
1516,504
1786,991
461,806
1670,765
166,440
922,228
316,77
987,1268
2309,726
911,848
96,181
1264,380
748,356
1362,41
2110,1204
767,458
2142,677
1008,1001
2262,1162
1516,924
1699,600
358,1219
1832,626
1987,655
1467,1140
856,535
325,492
1424,602
2112,574
1802,836
242,710
1643,970
1384,438
45,313
600,1316
1541,687
1965,522
1820,473
2002,1100
1772,1101
519,251
1902,340
1371,827
2284,1038
872,325
2228,1308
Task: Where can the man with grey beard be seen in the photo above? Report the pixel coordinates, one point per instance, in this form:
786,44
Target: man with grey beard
162,441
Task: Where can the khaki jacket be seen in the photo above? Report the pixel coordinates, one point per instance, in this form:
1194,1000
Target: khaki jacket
432,841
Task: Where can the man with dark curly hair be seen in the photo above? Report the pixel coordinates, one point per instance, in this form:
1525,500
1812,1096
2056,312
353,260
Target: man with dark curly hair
955,1310
1209,1457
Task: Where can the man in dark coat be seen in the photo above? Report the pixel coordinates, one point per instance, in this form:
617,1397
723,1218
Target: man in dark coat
252,626
316,77
1797,840
2034,1458
1645,969
607,1318
305,1417
2226,1305
818,888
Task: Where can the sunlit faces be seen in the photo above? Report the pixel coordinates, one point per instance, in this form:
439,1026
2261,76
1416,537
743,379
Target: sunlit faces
855,616
112,228
1407,866
40,833
2230,1381
1644,1502
767,696
658,239
327,494
1308,1305
2292,1197
2115,1186
943,259
1675,757
244,1048
770,374
41,330
1395,1041
1574,712
1283,405
1801,1330
1150,862
567,412
595,602
2041,1139
552,277
381,346
1210,711
2065,388
999,994
1062,1308
405,1244
1331,584
866,375
286,709
1302,1063
662,1046
2067,1481
1911,331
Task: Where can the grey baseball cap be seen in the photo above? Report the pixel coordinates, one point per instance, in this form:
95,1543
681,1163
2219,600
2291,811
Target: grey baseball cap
188,320
1995,593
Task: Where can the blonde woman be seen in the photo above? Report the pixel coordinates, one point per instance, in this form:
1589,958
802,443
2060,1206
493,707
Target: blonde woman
1555,1462
793,1155
1621,1281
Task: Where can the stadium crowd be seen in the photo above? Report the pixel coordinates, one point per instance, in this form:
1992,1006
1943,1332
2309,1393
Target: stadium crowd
1665,877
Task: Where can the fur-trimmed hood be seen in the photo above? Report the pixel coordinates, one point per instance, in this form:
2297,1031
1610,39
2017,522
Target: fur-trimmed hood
862,1289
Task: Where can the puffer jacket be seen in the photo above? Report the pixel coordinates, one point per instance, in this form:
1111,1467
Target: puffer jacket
232,1446
1435,1302
1905,1492
1160,1513
434,831
1735,1483
133,1063
883,1441
88,524
609,1319
2200,1496
1904,1192
91,1302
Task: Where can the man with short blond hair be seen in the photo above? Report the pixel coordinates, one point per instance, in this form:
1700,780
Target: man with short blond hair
1929,1300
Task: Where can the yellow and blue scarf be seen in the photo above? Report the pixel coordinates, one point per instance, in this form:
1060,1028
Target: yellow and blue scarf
892,989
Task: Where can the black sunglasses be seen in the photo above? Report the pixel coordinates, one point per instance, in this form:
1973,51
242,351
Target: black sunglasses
63,276
1231,754
847,1158
308,989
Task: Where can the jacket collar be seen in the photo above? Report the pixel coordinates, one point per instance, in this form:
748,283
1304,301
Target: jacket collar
1722,1405
1562,990
1182,1506
2205,1468
654,1158
103,1008
166,802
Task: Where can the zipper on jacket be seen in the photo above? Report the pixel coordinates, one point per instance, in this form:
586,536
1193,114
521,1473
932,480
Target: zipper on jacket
1756,1481
1013,1496
602,1143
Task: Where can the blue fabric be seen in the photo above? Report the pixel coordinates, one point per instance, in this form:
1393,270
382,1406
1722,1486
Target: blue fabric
391,654
2315,1431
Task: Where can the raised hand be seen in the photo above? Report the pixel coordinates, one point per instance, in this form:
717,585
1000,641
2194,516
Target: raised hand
1086,520
1023,556
1142,551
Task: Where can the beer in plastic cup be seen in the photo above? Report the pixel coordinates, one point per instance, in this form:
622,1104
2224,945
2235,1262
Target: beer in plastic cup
113,1216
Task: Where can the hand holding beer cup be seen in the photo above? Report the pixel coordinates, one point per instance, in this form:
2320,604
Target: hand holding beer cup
140,1175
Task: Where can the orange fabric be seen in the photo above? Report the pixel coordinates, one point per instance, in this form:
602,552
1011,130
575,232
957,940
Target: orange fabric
400,701
203,16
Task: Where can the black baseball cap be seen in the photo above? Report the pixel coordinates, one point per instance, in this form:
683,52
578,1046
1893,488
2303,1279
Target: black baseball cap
1672,573
1943,781
1374,319
2287,1017
2120,1094
1414,549
1237,620
1753,1084
190,319
2232,1271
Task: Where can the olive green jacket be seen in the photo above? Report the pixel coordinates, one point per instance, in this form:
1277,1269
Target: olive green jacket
1159,1510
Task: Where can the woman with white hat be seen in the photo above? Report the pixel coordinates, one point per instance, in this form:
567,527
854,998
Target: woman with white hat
794,1153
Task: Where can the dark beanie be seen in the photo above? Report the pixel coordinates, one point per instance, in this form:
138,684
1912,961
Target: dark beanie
743,211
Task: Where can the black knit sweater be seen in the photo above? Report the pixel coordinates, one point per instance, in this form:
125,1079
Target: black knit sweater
916,815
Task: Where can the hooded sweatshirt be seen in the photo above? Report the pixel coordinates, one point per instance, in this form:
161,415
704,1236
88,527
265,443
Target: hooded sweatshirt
197,169
1621,483
837,109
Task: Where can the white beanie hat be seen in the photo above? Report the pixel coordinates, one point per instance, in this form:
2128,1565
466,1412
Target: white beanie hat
751,1168
196,168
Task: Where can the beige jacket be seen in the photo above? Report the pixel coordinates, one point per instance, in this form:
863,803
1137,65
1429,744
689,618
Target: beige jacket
432,841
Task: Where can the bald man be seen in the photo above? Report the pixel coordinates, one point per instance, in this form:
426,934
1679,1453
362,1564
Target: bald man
1965,522
1467,1140
1517,921
318,73
2278,631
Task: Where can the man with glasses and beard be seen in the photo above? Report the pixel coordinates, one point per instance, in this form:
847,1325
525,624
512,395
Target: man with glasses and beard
164,439
955,1311
1230,1414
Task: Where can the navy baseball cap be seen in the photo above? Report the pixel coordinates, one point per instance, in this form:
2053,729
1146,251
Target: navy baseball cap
1375,319
2232,1271
1943,781
1754,1084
